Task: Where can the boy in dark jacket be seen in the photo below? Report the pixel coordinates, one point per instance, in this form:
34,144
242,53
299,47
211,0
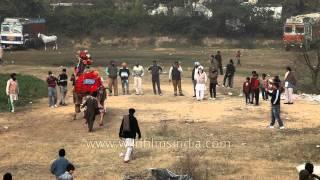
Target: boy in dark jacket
155,70
63,86
275,93
229,74
254,88
246,90
128,130
213,76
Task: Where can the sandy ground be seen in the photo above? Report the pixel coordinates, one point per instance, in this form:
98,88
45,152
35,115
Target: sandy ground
35,134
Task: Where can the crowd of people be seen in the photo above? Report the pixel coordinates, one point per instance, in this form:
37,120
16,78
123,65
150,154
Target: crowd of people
93,102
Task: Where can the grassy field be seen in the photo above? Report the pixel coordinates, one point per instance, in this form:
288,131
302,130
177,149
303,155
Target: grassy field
243,147
31,89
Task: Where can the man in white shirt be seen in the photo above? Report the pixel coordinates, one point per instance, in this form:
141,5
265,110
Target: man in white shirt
138,73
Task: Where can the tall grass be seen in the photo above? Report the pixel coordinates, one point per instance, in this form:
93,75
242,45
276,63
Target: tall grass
31,89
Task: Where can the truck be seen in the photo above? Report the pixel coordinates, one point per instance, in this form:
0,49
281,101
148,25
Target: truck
302,31
21,32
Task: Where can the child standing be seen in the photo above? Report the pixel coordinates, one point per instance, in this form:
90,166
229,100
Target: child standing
12,91
246,90
255,85
275,93
264,87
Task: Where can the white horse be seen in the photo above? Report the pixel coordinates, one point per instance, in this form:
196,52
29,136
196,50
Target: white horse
49,39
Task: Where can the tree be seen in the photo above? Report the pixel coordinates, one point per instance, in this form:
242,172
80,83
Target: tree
314,66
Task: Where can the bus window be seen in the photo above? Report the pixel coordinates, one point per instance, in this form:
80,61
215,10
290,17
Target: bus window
288,29
300,29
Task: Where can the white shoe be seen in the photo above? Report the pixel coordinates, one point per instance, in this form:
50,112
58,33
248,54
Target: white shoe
121,155
210,98
282,127
55,106
12,111
213,99
271,127
52,107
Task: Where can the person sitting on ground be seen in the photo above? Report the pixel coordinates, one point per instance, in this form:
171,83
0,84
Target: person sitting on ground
309,168
59,166
7,176
128,130
68,174
91,105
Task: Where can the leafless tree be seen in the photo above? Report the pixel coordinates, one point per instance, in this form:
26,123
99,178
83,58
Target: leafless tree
313,64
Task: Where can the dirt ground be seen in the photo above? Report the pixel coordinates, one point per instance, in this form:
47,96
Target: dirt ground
242,147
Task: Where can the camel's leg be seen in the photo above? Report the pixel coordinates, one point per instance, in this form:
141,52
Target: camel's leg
56,45
45,46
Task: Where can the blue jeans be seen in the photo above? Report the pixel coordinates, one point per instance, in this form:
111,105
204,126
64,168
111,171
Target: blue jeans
52,94
275,115
125,86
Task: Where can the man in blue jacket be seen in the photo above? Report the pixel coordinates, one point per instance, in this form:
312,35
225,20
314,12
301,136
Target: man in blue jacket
59,166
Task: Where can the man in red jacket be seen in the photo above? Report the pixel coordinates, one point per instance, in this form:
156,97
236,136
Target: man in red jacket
255,85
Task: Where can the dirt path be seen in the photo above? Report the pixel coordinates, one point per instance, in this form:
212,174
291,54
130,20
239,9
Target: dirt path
35,134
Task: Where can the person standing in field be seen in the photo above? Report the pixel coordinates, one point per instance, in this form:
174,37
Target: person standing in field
201,78
218,59
138,73
246,90
12,91
59,166
254,88
112,74
194,73
52,91
275,93
175,74
289,84
128,131
264,87
63,85
91,105
231,69
155,70
124,74
101,97
238,56
213,76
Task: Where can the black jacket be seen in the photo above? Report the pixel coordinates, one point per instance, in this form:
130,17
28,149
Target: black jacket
275,96
134,129
63,79
230,69
155,71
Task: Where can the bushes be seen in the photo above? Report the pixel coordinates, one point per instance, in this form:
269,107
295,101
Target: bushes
31,89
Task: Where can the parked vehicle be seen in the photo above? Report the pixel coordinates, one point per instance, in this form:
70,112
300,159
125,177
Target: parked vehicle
21,32
302,31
